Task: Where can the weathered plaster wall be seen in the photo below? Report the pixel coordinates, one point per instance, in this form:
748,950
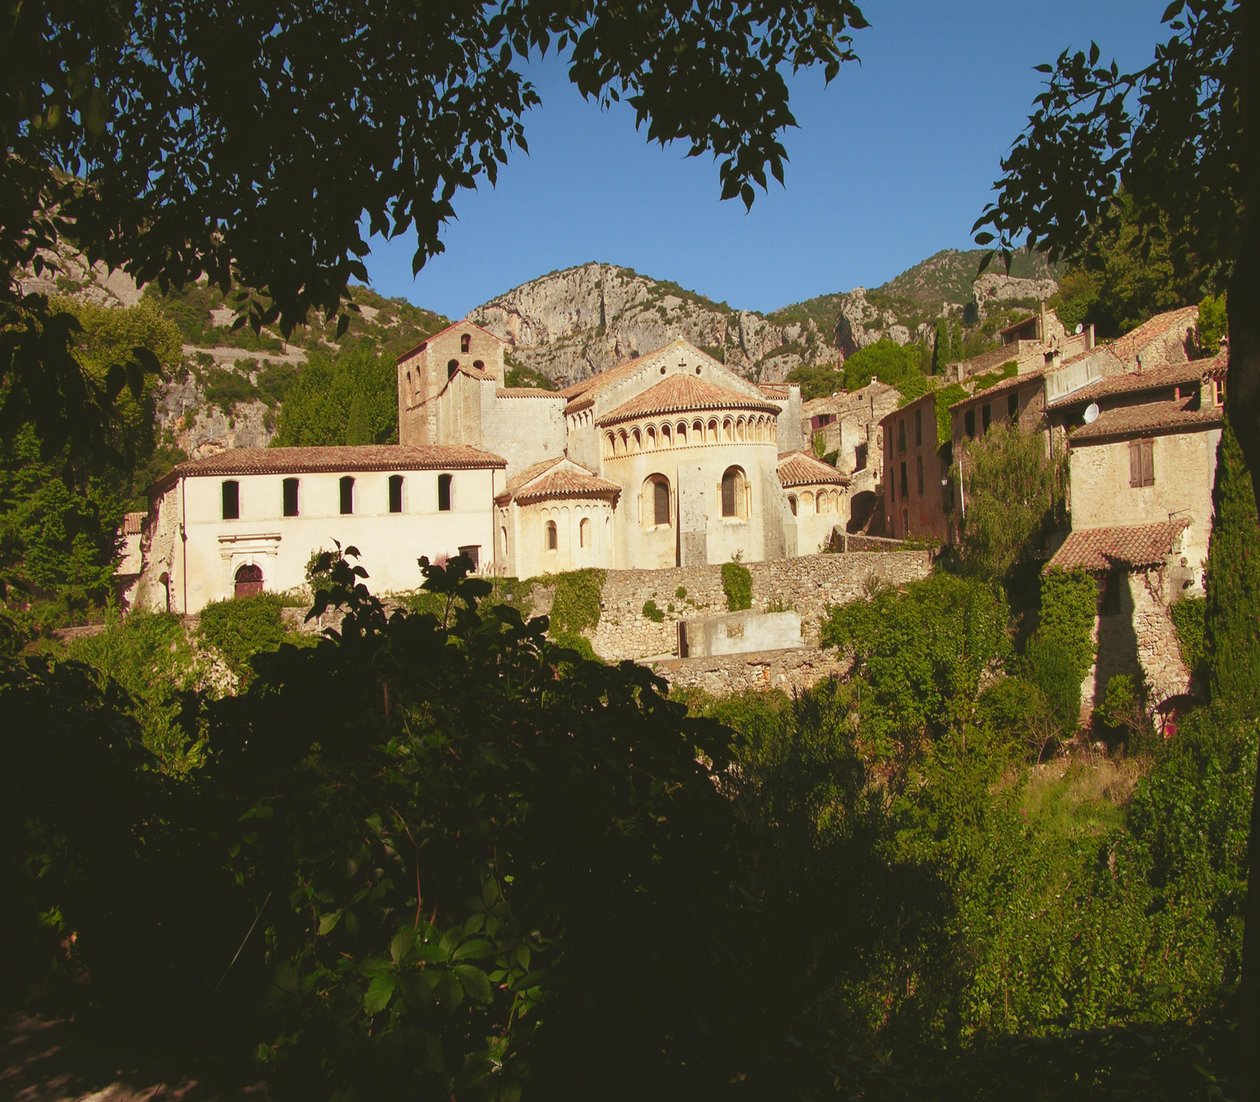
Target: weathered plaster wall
742,633
721,675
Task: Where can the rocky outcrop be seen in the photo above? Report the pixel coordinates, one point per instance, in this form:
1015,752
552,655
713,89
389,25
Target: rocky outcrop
861,323
993,289
572,324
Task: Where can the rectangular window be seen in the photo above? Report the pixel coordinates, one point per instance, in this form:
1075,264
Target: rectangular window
290,497
1141,462
986,417
901,434
347,495
444,493
918,428
918,472
1218,391
905,483
231,500
395,493
473,554
969,423
1012,404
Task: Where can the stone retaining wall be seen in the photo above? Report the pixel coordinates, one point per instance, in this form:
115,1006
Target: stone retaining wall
806,585
720,675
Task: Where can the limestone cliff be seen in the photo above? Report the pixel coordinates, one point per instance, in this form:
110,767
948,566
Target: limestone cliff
572,324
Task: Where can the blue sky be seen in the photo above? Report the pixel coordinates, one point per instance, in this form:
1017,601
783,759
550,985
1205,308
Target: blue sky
891,163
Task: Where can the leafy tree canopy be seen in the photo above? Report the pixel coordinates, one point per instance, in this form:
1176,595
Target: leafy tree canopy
261,144
348,399
885,360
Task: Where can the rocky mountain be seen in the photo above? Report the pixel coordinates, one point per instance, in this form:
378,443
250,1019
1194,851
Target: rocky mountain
572,324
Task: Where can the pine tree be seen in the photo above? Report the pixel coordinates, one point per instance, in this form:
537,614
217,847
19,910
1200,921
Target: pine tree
1233,586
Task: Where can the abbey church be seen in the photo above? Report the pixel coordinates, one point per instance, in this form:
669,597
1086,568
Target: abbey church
670,459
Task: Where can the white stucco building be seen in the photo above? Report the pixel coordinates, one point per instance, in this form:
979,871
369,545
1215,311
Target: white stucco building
249,519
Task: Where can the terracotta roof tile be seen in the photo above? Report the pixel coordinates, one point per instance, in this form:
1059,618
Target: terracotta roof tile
526,392
1000,387
582,394
1216,367
1134,546
801,469
365,457
1133,382
133,523
1147,417
684,393
779,391
1128,346
558,477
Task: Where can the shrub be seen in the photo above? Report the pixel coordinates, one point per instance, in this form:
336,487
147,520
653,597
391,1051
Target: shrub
241,627
737,585
653,611
576,606
1188,620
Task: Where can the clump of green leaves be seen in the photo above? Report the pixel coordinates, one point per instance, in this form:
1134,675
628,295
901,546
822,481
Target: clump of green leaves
240,628
1061,650
652,611
575,608
737,585
1189,621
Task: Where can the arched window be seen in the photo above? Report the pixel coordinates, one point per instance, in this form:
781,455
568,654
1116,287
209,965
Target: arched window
249,580
231,500
444,492
734,493
503,540
792,503
655,501
480,365
651,438
584,532
347,495
451,368
395,493
552,536
465,342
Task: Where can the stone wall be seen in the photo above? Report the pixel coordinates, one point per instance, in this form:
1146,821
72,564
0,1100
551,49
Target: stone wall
789,670
806,585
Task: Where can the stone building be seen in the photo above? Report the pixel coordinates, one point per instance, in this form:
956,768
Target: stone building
1141,473
917,497
671,459
249,519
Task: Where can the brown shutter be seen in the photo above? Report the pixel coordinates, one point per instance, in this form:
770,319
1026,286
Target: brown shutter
1148,462
1135,463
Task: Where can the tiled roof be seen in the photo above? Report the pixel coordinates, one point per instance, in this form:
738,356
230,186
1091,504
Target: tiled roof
1128,346
1136,545
999,388
1147,417
558,477
133,523
582,394
684,393
778,391
365,457
1133,382
1216,367
800,469
526,392
465,324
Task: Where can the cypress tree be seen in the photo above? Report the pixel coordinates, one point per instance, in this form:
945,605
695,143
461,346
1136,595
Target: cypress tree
1233,586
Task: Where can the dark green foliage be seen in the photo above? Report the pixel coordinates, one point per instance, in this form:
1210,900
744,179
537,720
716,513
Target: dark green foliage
1061,650
920,653
148,656
817,380
991,378
946,397
240,628
350,399
1014,497
652,611
737,585
1233,586
576,606
1213,324
519,375
1188,617
890,362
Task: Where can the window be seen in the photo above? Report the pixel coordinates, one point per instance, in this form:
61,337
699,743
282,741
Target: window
734,493
969,423
347,495
986,417
1141,463
584,532
905,484
901,435
918,473
444,492
1012,404
1113,585
451,368
654,502
472,552
552,538
465,342
859,457
918,428
1218,391
231,500
395,493
290,497
792,503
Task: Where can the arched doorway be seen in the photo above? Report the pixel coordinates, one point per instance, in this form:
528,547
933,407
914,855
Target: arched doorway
249,580
862,510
